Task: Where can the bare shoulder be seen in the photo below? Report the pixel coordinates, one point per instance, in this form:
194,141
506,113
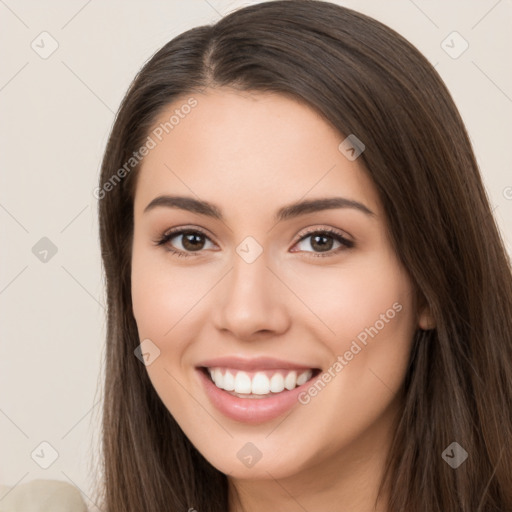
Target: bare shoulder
41,496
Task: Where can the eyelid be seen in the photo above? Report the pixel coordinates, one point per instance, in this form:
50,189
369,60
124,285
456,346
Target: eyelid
325,229
180,229
170,233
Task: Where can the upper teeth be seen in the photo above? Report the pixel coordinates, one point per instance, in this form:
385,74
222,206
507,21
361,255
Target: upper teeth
259,383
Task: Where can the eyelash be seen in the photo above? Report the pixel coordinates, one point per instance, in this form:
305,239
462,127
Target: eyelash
166,237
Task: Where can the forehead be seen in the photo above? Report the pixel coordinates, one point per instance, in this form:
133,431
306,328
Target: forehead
251,149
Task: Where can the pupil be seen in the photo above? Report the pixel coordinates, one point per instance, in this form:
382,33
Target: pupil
192,240
322,245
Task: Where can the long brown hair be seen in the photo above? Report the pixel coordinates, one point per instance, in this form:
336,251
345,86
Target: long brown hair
365,79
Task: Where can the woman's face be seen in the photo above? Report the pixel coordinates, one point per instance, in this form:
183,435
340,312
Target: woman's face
261,295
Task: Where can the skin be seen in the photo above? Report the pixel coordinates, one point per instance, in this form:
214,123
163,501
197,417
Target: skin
250,154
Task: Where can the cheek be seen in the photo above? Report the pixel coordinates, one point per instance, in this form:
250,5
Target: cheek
169,307
347,299
162,294
370,314
372,310
150,298
375,344
163,311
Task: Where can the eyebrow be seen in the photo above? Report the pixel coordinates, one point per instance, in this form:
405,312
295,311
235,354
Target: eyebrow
286,212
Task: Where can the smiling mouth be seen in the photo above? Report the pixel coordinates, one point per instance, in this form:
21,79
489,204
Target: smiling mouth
258,384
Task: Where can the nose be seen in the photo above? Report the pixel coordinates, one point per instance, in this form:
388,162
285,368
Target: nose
252,301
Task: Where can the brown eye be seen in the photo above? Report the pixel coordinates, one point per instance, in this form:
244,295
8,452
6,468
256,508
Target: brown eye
191,241
322,241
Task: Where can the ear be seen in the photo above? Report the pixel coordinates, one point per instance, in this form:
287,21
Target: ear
425,319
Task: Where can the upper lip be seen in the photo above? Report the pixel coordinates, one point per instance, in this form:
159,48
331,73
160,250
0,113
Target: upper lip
251,364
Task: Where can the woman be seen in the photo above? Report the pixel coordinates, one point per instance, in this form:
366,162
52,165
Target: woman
310,304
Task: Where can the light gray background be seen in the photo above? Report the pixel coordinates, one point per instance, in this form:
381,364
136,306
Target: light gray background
56,113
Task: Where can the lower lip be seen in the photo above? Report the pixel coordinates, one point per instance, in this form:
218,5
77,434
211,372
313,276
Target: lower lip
251,410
